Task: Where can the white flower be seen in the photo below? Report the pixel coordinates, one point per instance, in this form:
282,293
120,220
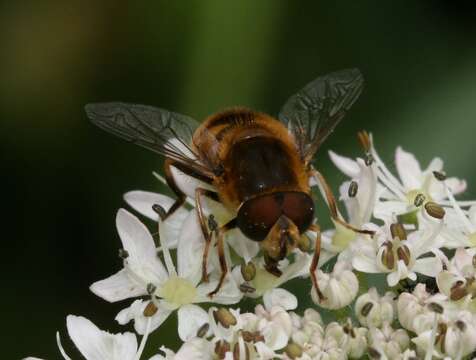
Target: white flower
96,344
264,281
458,282
352,339
400,195
374,310
399,258
410,306
359,207
339,287
452,332
171,288
388,341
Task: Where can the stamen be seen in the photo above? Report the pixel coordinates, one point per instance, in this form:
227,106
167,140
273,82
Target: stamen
403,253
398,188
353,187
373,353
144,339
60,347
366,309
202,330
440,176
435,210
169,264
150,310
398,231
151,288
248,271
224,317
419,200
247,288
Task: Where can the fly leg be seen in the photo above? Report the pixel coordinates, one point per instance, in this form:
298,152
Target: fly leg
315,260
220,234
326,191
208,226
169,178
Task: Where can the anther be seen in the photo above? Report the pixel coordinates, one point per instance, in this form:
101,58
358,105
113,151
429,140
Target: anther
150,309
353,187
151,288
202,331
293,350
247,288
398,231
419,200
253,337
369,159
348,328
159,210
441,176
123,254
434,210
224,317
364,139
403,253
458,291
221,348
474,261
366,308
388,258
248,271
236,352
435,307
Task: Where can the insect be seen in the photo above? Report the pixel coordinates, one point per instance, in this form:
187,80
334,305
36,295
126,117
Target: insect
259,165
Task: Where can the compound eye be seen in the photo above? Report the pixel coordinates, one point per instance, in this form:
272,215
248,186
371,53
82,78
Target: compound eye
257,216
299,207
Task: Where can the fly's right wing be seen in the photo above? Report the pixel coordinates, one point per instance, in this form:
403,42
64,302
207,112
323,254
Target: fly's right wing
161,131
313,113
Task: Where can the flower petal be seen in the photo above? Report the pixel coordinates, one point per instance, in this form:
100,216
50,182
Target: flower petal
279,297
117,287
190,319
140,246
190,249
348,166
95,344
408,169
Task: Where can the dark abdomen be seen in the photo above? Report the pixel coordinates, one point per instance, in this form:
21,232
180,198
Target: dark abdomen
258,164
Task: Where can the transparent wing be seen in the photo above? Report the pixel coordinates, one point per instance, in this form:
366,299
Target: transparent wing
149,127
313,113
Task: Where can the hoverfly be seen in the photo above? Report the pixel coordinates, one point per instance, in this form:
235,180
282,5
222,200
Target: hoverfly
259,166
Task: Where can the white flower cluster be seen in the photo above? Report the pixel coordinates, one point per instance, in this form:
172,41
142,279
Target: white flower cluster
424,243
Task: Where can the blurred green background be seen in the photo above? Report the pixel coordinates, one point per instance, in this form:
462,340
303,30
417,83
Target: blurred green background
63,179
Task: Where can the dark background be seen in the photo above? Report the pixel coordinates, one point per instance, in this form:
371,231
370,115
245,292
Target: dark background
63,179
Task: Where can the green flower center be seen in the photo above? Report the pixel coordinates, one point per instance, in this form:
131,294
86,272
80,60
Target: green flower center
178,291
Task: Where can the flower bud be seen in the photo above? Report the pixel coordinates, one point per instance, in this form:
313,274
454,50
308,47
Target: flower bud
372,309
293,350
339,287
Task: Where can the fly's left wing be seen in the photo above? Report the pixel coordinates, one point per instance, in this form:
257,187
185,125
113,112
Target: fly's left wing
161,131
313,113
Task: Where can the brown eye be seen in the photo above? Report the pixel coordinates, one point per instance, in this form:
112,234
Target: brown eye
257,216
298,207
